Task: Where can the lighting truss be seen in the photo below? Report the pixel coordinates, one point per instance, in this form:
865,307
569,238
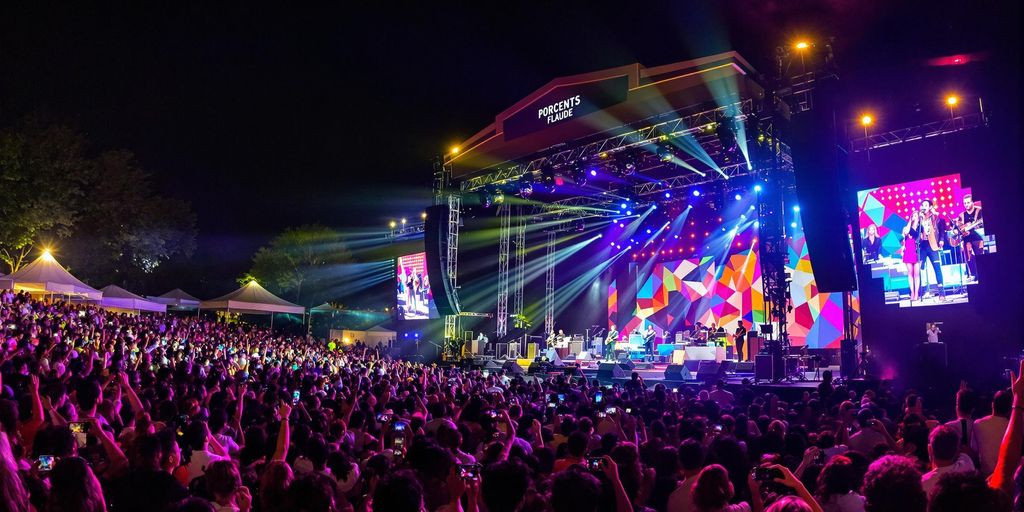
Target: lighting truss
451,262
505,212
655,130
924,131
549,285
520,264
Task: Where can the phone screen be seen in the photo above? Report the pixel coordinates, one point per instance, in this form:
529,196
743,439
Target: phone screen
295,397
400,426
45,462
469,471
78,429
599,397
561,398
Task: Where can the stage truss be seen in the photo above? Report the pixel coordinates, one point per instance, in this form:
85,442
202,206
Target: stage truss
505,233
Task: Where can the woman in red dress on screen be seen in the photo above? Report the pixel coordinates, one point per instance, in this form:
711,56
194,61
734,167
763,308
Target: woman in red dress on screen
909,250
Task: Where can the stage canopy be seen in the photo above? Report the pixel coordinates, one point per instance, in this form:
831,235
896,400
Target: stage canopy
115,297
46,276
253,299
176,299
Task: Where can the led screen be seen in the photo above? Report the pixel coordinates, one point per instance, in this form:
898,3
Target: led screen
415,300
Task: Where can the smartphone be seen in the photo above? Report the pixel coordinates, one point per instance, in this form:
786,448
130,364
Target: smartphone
400,426
487,373
594,463
675,390
598,397
561,398
766,474
629,410
469,471
79,429
551,405
718,429
81,313
45,463
610,411
399,443
602,414
295,397
384,418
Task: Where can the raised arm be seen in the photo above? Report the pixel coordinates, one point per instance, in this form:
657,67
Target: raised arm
133,399
283,435
1009,450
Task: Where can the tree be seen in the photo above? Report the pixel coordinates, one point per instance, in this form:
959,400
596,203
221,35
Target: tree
297,257
125,231
42,175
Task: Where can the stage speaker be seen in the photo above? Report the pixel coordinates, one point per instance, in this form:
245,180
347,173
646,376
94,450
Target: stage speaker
678,372
608,371
744,367
815,140
710,370
435,241
848,359
512,368
764,367
493,365
625,361
539,367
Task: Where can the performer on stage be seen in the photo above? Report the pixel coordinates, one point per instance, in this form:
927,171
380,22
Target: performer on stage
609,343
649,336
740,340
931,242
970,224
933,332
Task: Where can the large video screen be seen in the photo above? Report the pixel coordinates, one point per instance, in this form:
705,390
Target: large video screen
923,238
415,299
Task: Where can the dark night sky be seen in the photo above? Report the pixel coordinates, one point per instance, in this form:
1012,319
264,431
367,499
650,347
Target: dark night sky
268,118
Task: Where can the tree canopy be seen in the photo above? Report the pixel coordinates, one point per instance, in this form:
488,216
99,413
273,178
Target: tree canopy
299,261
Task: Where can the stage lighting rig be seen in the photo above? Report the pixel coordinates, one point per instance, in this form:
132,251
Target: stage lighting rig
548,177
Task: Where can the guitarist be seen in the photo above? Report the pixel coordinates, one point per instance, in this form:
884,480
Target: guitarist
931,242
970,224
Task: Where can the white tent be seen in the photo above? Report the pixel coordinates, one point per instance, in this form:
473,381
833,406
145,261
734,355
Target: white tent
46,276
176,299
372,337
115,297
253,299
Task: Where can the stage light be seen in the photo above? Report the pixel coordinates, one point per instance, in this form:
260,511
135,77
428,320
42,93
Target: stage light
629,212
525,189
696,193
664,154
600,235
952,100
802,45
792,225
668,195
611,244
593,172
403,222
623,206
392,224
796,209
455,150
47,255
423,215
604,154
866,120
757,188
621,225
648,231
738,197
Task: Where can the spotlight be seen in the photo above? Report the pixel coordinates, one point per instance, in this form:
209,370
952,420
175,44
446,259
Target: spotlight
738,197
796,209
952,100
696,193
455,150
403,222
629,212
648,231
525,189
623,206
792,225
423,215
392,224
802,45
593,172
665,153
866,120
757,188
668,195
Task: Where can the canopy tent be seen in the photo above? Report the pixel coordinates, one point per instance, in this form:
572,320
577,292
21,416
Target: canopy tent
326,307
176,299
46,276
115,297
253,299
372,337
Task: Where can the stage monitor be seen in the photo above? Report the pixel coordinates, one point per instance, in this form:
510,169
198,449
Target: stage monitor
923,239
415,300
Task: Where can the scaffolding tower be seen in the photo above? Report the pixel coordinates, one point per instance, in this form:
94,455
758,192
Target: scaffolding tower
505,233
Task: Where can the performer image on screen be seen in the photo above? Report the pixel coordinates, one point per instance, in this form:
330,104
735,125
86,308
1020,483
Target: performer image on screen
872,244
609,342
740,340
971,224
909,250
933,332
931,242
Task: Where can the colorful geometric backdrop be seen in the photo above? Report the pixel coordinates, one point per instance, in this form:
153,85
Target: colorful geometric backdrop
677,294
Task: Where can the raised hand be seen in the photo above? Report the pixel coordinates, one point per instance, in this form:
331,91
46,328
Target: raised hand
284,410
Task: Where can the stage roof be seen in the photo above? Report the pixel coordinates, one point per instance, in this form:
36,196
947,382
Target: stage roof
603,102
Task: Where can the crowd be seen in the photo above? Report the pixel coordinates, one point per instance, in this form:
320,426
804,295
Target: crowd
105,411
